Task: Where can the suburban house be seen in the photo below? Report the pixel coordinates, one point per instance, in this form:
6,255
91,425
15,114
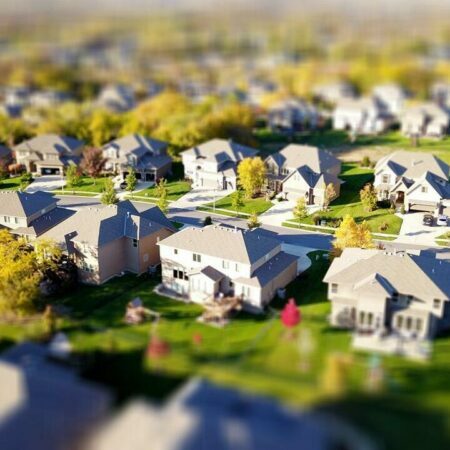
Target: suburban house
335,92
361,116
147,156
426,119
303,171
5,155
403,293
30,214
440,94
116,98
47,98
257,89
48,154
293,114
105,242
213,164
391,97
419,181
202,264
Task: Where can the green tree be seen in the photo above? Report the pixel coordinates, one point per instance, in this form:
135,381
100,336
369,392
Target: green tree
161,188
109,196
103,126
253,221
131,180
73,176
163,203
368,196
252,175
300,211
237,200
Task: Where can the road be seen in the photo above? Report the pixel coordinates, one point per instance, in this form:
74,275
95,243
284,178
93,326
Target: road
291,236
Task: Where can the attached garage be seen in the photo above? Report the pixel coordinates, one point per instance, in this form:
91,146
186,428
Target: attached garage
422,207
50,171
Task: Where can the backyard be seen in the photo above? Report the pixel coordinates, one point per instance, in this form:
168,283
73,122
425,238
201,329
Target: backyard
253,353
348,202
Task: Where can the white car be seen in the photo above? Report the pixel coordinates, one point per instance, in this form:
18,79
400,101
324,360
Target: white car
441,221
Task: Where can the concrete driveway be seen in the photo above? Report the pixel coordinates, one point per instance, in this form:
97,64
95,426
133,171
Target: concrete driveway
199,197
414,232
46,183
278,213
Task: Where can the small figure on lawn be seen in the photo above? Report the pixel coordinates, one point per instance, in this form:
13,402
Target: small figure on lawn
290,317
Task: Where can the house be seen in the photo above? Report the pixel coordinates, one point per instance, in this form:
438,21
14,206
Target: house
391,97
213,164
6,156
45,404
335,92
201,264
202,415
48,98
360,116
426,119
399,292
147,156
105,242
419,181
303,171
30,214
293,114
116,98
257,89
48,154
440,94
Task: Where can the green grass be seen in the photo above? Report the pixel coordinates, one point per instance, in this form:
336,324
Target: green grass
254,353
258,205
10,184
175,190
89,184
74,192
348,202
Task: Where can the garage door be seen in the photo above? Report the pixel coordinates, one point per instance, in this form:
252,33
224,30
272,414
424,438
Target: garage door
421,207
150,177
49,171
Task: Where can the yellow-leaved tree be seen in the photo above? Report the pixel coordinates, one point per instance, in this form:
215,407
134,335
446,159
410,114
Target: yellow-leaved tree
351,234
252,175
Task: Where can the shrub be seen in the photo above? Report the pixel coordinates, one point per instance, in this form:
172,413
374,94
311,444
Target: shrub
207,221
365,162
383,226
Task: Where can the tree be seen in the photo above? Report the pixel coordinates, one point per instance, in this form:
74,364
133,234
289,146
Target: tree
300,211
335,374
109,196
93,162
163,203
290,315
48,253
237,200
253,221
368,196
73,176
103,126
161,188
131,180
351,234
329,194
252,175
365,162
49,319
207,221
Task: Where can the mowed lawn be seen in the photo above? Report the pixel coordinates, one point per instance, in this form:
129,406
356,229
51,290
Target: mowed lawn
175,190
348,202
252,205
254,353
10,184
89,184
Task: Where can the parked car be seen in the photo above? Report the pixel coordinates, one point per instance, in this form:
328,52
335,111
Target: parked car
123,185
428,220
442,220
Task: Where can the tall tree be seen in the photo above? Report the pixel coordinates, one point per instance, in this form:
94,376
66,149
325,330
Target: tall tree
161,188
131,180
93,162
73,176
103,126
300,211
237,200
351,234
368,196
163,203
329,194
252,175
109,196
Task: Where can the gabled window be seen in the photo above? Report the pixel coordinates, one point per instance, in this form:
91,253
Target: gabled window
175,251
424,189
225,264
436,303
196,257
385,178
334,288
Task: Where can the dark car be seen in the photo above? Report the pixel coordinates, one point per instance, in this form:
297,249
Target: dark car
123,185
428,220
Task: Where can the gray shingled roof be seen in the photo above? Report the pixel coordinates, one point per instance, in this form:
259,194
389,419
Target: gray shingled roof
99,226
238,245
417,275
136,144
413,165
295,156
5,152
221,150
24,204
50,143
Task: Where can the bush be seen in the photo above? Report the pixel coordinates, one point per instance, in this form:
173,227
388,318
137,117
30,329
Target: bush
384,204
26,178
403,210
365,162
383,226
207,221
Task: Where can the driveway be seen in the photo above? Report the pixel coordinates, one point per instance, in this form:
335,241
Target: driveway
278,213
198,197
414,232
46,183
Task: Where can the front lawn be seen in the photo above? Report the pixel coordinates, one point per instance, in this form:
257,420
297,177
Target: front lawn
88,184
252,205
175,190
10,184
348,202
256,354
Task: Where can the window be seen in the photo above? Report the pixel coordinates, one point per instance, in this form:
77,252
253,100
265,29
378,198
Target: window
180,274
369,319
385,178
424,189
196,257
135,242
175,251
408,323
334,288
436,303
418,324
399,321
7,219
362,316
16,219
225,264
237,267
